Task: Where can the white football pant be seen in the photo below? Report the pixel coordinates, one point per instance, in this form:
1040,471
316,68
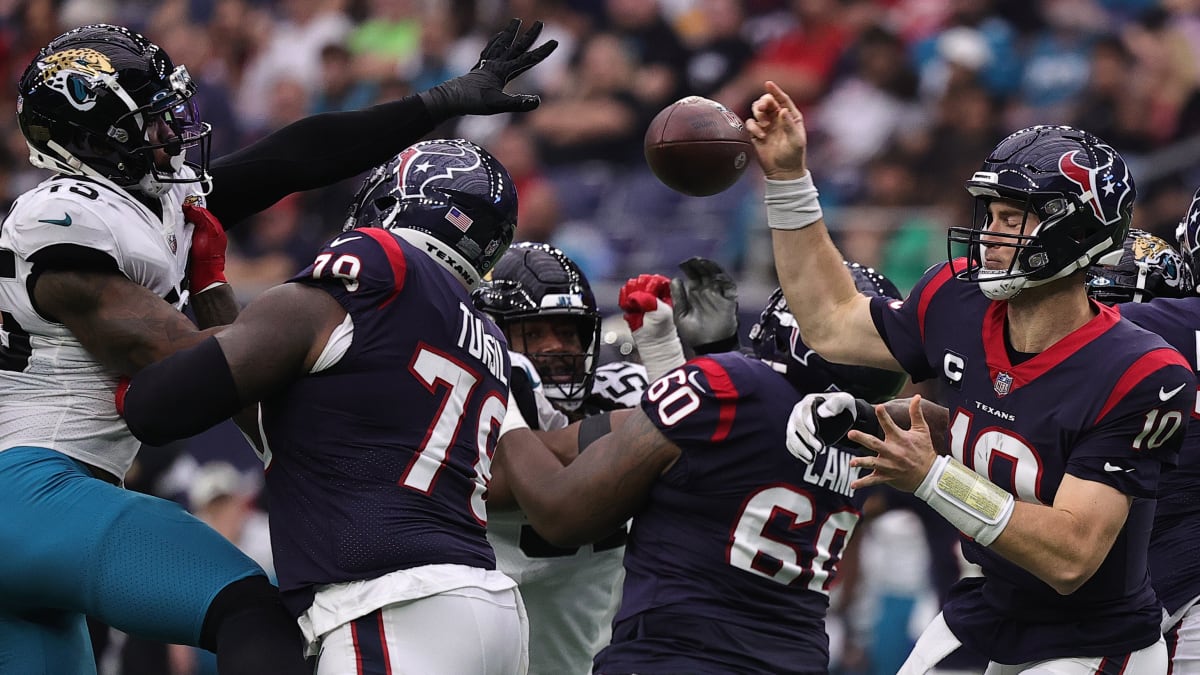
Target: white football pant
937,642
1185,633
466,630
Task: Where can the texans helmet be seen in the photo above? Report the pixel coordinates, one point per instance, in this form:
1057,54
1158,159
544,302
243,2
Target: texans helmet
1076,186
1145,268
103,101
534,282
776,340
1187,238
449,198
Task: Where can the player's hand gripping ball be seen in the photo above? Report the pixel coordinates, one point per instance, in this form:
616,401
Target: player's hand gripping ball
698,147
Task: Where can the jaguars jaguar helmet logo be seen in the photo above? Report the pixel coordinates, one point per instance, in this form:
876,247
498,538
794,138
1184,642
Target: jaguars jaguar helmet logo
1155,253
74,73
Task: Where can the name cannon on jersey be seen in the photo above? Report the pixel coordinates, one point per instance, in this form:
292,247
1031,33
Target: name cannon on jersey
473,337
836,474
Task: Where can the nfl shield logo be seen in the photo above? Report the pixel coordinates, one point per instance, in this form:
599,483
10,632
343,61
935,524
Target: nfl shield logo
172,243
1003,384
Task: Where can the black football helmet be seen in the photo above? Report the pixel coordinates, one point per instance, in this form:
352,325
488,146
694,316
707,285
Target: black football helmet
776,340
1187,238
538,281
1077,186
449,198
1145,268
100,100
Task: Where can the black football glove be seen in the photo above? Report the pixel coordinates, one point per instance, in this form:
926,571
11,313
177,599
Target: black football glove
481,91
821,420
705,306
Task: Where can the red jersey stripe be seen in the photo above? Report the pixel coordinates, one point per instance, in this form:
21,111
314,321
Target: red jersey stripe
725,392
1140,370
395,256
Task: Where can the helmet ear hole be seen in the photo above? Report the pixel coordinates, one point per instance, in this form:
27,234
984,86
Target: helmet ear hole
385,202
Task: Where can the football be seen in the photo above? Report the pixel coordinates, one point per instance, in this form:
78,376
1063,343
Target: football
697,146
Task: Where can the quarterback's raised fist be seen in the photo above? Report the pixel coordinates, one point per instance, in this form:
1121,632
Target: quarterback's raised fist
481,91
817,422
206,263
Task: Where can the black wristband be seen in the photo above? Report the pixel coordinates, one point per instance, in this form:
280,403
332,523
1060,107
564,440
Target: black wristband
728,344
593,427
181,395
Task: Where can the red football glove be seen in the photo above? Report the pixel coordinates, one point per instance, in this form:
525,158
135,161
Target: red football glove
641,295
122,388
646,302
207,259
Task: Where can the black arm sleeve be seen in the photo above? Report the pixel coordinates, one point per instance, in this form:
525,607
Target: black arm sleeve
180,396
311,153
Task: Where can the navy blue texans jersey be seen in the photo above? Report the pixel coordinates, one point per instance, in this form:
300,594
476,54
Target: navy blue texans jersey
379,462
729,564
1108,403
1175,540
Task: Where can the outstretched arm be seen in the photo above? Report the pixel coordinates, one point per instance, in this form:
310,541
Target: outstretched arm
605,486
324,149
834,318
274,341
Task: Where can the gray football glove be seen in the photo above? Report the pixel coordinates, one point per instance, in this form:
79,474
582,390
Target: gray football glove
481,91
705,306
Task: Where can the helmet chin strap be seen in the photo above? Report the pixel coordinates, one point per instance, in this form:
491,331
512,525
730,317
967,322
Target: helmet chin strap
150,185
1001,289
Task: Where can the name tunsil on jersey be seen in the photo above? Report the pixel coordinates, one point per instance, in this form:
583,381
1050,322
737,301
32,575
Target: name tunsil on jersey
837,473
473,337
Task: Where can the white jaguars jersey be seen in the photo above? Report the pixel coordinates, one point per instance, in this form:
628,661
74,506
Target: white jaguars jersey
570,596
53,394
621,383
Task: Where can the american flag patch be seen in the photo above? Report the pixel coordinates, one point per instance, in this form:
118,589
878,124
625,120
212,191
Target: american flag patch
460,220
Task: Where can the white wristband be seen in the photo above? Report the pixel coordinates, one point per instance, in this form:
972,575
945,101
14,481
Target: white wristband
660,355
513,419
972,503
792,204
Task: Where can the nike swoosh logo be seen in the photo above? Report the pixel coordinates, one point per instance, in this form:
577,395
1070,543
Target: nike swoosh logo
1113,468
339,241
1164,395
65,221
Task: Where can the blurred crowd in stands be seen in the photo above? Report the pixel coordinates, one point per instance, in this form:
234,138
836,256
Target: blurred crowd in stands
902,99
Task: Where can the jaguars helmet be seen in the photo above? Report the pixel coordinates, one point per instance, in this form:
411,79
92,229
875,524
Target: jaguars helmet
101,100
776,340
1077,186
449,198
1187,238
1146,267
539,281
